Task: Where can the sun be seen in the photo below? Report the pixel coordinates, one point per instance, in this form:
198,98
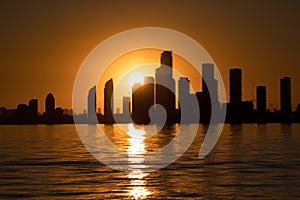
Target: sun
135,78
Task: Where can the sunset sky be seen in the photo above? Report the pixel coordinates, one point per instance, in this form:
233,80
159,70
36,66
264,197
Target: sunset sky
43,43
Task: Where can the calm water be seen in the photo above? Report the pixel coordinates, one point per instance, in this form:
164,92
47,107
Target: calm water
249,161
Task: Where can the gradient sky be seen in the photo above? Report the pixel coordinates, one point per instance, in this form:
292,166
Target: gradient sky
44,42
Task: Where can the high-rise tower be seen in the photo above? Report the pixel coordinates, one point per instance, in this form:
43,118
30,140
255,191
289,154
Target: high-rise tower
235,86
109,102
50,104
285,97
261,99
165,85
92,105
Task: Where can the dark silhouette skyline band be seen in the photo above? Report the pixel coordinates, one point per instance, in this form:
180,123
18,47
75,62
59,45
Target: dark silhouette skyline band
161,90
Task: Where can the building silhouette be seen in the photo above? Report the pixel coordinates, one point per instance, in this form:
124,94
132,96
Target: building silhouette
161,90
186,103
142,100
208,95
137,104
235,94
235,86
208,78
92,117
183,89
52,115
33,110
261,103
165,86
50,104
261,99
108,102
285,99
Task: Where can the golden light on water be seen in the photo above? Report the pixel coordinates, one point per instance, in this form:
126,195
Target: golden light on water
136,151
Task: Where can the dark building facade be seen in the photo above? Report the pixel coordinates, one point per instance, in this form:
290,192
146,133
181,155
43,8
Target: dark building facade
285,98
235,87
208,78
142,101
108,102
261,103
92,99
50,104
165,86
33,109
208,95
261,99
183,89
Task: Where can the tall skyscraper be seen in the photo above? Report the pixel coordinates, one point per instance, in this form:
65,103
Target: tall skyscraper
183,89
261,99
148,95
109,102
208,78
137,103
92,106
142,100
235,86
165,85
285,96
236,106
50,104
208,98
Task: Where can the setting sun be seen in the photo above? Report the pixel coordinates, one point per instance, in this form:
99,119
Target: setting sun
135,78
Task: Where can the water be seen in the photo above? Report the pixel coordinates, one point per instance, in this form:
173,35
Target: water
249,161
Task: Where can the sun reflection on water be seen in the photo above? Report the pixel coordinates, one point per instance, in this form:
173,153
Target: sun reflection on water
136,151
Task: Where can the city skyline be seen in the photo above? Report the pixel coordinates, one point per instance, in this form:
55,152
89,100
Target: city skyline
172,99
196,82
161,90
42,51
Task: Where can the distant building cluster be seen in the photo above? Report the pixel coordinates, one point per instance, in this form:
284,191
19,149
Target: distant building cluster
28,114
161,91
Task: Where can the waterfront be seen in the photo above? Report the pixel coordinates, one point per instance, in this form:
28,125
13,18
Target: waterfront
249,161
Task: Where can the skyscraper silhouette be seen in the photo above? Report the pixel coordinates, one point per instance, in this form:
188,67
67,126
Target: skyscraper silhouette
50,104
142,100
33,110
208,95
261,99
285,98
92,119
183,89
33,106
137,104
165,85
235,106
261,104
208,78
235,86
187,101
108,102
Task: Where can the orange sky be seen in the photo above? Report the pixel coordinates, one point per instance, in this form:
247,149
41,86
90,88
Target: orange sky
43,43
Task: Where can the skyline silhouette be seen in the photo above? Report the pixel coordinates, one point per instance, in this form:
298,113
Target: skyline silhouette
153,92
42,51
